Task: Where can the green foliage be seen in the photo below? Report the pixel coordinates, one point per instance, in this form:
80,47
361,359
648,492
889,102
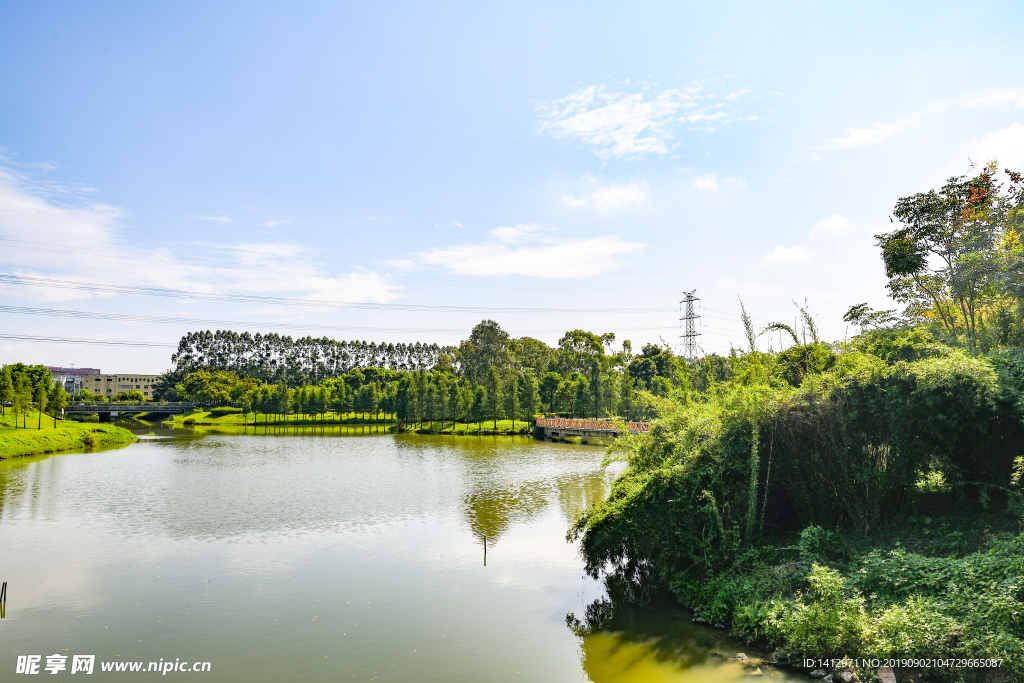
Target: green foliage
133,396
225,410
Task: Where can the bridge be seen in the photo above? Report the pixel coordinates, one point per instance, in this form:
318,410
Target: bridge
560,427
111,411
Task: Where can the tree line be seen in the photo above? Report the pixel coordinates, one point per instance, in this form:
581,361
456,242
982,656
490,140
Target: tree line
490,376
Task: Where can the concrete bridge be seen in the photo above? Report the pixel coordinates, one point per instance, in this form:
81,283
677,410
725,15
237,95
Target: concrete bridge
111,411
557,428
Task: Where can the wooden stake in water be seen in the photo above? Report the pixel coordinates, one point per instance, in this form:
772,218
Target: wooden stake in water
485,553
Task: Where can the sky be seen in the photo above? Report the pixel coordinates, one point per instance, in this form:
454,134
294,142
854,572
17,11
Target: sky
400,171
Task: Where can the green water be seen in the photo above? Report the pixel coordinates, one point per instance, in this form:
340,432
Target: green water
306,558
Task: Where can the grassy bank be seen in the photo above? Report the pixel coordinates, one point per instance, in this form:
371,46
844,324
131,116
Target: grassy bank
487,427
828,502
49,439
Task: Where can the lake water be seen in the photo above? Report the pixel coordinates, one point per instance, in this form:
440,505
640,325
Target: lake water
315,558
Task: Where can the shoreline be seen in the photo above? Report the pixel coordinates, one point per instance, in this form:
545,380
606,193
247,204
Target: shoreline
65,437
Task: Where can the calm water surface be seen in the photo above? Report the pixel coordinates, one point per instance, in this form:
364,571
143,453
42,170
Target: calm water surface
307,558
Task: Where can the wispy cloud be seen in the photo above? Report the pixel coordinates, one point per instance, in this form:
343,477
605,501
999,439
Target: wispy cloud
834,226
281,221
631,125
1005,145
784,255
882,130
610,197
216,218
39,222
710,182
529,250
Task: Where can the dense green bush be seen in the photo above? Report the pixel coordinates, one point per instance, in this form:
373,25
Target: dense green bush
837,443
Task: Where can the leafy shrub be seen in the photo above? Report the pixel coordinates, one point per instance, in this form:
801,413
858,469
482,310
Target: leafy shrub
90,440
827,622
189,421
818,544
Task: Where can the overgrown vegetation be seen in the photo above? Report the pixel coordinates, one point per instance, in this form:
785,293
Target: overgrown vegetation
855,499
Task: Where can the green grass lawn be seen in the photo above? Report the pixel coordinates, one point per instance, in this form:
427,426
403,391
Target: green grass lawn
42,436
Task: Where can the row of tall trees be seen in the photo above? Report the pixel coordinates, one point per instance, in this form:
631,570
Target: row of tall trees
489,376
28,387
273,357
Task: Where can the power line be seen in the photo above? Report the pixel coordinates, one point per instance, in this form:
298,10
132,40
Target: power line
94,342
96,315
286,301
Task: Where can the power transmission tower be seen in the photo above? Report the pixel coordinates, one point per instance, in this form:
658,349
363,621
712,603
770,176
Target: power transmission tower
688,339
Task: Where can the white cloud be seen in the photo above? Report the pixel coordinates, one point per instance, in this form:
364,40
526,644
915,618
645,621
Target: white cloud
1006,145
611,197
622,125
835,226
707,182
989,97
215,218
53,233
710,182
784,255
281,221
529,250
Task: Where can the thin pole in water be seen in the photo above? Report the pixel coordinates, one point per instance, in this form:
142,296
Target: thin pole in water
3,593
485,551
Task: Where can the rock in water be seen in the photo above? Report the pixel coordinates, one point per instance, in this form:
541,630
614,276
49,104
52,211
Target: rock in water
743,658
818,673
886,675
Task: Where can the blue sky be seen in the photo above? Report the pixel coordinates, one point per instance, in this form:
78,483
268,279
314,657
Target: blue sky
548,166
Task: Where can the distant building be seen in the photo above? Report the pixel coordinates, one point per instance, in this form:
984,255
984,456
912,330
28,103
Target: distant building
71,378
111,385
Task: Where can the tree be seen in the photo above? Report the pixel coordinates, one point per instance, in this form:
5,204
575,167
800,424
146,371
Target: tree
943,260
529,397
577,351
58,400
582,399
40,401
487,346
495,394
531,354
282,399
478,409
6,390
548,386
511,396
133,396
22,399
245,405
565,395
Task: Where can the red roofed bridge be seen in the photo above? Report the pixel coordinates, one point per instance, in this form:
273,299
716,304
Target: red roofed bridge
560,427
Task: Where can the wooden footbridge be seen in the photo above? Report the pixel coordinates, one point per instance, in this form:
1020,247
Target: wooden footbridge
111,411
557,428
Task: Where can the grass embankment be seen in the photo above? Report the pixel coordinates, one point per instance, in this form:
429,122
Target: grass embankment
485,428
49,439
861,504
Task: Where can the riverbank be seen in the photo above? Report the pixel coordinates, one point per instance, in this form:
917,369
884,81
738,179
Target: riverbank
484,428
65,436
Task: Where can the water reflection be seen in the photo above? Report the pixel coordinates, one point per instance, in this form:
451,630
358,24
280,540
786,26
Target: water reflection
309,558
623,641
